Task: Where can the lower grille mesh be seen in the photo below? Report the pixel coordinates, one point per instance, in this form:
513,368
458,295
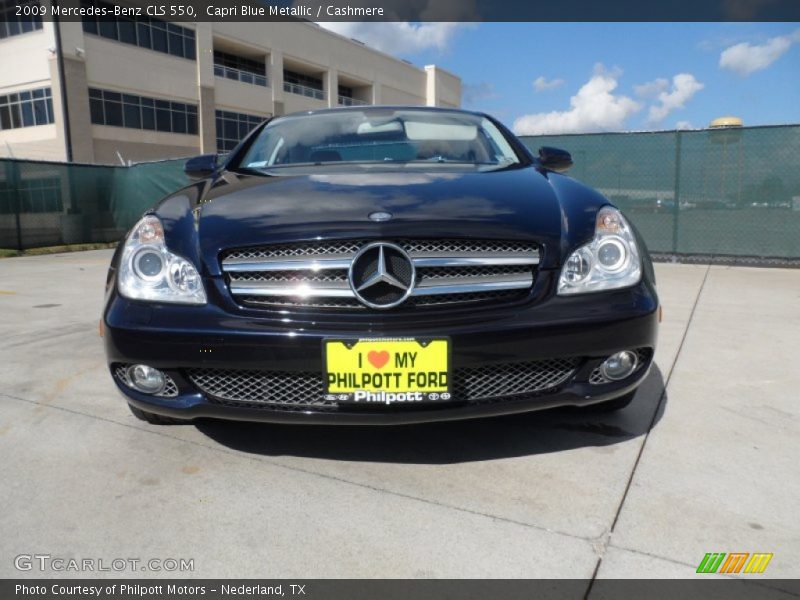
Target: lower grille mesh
491,381
301,391
262,387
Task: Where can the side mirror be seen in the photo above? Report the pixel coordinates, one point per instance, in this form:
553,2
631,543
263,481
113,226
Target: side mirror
201,167
555,159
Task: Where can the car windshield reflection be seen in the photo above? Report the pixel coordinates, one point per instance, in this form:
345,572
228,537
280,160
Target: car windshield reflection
382,136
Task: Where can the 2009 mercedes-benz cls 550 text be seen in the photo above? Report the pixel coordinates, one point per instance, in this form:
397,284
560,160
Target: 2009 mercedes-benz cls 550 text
379,265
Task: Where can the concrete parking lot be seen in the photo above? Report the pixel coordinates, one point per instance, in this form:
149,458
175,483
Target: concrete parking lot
704,460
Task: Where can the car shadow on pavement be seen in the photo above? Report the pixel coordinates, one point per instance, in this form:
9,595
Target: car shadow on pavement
526,434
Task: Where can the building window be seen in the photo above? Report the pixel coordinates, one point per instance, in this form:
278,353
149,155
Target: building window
239,68
26,109
346,97
33,195
233,127
145,32
138,112
12,24
302,84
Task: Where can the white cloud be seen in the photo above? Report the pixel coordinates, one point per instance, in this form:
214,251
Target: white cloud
684,125
541,84
670,99
651,89
594,108
399,37
745,59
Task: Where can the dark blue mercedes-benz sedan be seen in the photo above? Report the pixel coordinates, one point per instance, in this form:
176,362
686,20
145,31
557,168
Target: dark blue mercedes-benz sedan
379,265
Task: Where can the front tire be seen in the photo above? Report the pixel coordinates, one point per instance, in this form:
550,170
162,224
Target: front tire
612,405
153,418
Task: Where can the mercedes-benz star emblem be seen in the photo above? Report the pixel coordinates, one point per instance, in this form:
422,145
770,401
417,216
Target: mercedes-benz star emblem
382,275
380,216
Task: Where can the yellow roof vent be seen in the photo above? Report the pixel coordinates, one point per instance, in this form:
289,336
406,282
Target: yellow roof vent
725,122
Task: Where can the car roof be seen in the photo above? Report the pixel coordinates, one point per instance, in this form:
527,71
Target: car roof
381,108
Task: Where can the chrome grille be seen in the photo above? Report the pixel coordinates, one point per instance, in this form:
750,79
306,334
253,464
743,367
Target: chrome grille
465,299
285,390
290,277
467,246
352,303
459,272
282,302
170,388
425,273
290,250
597,378
315,274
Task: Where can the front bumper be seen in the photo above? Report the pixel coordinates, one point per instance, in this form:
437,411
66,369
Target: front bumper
180,340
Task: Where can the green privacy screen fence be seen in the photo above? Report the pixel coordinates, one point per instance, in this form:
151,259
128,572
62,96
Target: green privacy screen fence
46,204
709,193
714,193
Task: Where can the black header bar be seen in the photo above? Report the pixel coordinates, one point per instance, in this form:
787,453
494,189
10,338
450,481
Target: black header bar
422,10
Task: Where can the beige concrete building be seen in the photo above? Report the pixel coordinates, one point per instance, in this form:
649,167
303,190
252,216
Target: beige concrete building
146,89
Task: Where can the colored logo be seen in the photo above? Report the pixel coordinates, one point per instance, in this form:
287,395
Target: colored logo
734,562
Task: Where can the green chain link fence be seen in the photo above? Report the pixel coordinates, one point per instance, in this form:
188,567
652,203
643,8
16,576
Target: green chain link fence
714,193
49,204
731,193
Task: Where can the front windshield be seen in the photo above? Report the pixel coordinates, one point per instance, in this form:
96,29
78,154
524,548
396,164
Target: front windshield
380,136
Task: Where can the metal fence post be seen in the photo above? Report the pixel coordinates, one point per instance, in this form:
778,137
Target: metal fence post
12,177
677,195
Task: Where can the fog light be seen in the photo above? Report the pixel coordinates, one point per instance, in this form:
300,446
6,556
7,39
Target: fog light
146,379
620,365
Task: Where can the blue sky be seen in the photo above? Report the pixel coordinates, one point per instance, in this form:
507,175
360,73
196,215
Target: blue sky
627,71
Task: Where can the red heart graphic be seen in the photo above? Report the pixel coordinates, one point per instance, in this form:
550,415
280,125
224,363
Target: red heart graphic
378,359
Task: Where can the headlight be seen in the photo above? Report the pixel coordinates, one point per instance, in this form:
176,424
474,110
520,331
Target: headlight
611,260
149,271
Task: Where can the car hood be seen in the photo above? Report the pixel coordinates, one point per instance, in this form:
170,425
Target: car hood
513,204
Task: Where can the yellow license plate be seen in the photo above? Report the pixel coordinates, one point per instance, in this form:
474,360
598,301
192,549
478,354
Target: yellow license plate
387,371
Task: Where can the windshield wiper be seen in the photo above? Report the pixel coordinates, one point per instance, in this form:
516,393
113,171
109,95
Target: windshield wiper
248,171
451,161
